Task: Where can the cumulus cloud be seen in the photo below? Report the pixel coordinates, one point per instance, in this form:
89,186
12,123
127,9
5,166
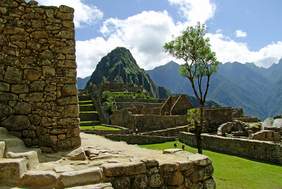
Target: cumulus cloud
228,50
144,34
84,13
195,10
240,33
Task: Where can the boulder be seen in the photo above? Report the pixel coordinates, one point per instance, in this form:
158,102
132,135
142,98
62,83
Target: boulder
238,127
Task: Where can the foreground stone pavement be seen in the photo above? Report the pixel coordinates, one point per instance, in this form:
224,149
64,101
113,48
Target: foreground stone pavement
101,163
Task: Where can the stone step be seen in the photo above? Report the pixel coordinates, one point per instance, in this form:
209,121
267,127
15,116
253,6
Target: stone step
89,116
30,156
82,177
91,107
12,170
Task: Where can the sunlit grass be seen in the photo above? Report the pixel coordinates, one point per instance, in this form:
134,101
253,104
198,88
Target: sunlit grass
233,172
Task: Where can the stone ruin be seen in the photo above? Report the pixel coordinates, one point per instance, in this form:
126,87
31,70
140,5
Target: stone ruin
39,104
38,95
149,116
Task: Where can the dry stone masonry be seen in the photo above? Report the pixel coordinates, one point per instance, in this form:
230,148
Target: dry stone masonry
38,95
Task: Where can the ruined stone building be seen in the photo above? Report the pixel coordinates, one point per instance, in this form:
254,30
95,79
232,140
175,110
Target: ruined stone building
38,95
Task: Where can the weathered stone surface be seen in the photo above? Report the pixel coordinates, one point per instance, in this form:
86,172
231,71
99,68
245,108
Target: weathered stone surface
12,170
32,74
121,182
4,86
82,177
31,156
22,108
16,122
119,169
39,179
69,90
13,75
267,135
19,89
77,154
2,149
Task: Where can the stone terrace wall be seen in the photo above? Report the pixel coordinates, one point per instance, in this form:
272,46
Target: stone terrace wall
38,95
148,122
254,149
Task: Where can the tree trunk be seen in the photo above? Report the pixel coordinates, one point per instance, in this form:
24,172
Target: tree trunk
199,130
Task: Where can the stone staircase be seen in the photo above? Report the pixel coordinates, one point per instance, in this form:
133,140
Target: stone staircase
20,166
88,114
15,158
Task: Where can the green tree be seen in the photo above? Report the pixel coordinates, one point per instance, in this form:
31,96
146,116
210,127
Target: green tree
200,63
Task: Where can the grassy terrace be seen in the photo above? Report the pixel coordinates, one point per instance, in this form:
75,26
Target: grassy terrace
99,128
233,172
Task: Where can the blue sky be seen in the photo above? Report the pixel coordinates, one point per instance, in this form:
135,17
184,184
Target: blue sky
239,30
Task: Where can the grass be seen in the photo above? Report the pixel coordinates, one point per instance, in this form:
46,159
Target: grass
233,172
99,128
85,101
86,105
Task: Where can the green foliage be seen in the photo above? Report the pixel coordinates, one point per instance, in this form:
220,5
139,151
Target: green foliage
193,115
231,172
200,61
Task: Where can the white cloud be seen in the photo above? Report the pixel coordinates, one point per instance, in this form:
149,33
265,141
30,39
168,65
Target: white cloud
84,13
240,33
144,34
195,10
228,50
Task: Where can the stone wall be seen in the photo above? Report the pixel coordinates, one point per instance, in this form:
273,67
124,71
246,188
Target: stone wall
139,107
143,122
253,149
170,132
38,95
139,139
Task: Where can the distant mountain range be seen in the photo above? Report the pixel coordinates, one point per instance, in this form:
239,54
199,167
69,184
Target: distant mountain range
257,90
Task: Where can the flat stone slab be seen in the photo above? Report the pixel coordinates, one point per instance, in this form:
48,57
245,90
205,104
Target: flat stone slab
82,177
11,170
172,151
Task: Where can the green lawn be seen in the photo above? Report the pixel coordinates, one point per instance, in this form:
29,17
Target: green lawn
233,172
99,128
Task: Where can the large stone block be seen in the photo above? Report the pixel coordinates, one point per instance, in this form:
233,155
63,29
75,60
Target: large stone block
121,169
39,179
11,170
30,156
91,175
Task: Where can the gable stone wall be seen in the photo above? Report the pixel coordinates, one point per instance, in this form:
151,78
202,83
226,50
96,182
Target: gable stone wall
38,95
